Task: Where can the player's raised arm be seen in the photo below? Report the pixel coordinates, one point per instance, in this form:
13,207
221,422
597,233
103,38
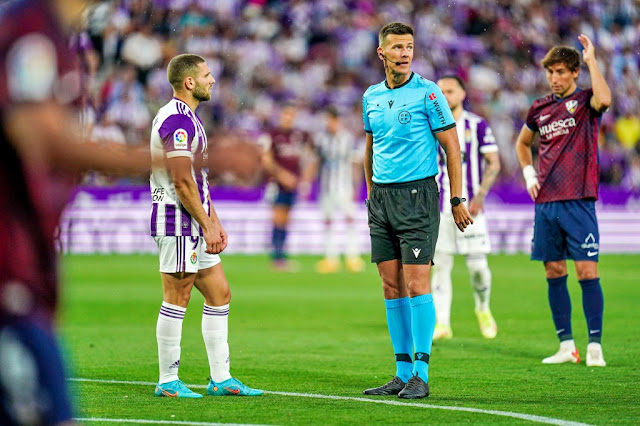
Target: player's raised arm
525,158
449,141
601,99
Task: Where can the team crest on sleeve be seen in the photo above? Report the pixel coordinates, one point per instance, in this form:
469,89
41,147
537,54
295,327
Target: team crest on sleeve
571,105
180,139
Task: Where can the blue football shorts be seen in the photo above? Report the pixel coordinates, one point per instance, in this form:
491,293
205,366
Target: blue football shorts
565,230
285,198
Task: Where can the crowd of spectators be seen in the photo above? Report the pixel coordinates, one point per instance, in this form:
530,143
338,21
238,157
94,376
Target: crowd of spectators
321,53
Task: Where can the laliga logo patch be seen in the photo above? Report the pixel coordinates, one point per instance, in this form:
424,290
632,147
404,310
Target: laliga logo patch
194,258
571,106
180,139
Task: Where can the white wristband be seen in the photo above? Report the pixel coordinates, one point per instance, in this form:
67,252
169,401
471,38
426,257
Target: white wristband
530,176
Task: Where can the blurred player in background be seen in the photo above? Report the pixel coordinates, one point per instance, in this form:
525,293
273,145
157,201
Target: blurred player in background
289,159
41,155
480,168
565,189
188,233
405,117
340,178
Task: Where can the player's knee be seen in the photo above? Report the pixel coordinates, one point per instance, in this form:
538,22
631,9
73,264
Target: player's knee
180,297
555,269
391,288
477,263
225,297
587,270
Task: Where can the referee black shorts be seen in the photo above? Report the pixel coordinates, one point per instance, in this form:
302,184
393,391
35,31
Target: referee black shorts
404,220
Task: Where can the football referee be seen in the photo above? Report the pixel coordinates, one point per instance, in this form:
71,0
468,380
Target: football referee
405,116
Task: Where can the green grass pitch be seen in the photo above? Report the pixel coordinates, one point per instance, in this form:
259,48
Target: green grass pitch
326,335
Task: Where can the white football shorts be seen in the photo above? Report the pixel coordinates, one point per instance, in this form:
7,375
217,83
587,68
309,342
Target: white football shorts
474,239
333,203
184,254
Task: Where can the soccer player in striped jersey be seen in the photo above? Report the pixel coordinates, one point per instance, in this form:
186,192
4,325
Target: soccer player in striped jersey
188,233
480,168
565,189
340,161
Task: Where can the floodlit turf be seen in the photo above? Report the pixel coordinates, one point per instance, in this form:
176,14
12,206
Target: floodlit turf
326,335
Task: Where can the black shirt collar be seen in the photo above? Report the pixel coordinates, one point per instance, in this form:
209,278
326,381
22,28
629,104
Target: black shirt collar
403,84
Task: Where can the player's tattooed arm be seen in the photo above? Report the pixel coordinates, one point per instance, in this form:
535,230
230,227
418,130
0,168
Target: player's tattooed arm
489,177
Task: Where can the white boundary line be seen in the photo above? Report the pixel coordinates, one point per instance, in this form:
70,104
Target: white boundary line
155,422
529,417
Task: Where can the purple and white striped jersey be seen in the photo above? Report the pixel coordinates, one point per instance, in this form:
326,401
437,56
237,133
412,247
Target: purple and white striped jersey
177,132
476,138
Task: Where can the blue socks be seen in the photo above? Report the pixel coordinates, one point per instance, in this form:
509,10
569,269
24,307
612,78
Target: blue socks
560,304
423,320
399,324
278,237
593,305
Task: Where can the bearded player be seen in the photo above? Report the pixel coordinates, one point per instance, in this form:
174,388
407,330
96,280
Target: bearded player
188,233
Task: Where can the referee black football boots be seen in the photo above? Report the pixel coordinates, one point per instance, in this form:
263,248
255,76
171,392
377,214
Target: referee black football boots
416,388
393,387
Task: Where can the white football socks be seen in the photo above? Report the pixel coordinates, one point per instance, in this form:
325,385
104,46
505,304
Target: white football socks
480,281
441,287
330,247
168,335
353,242
215,331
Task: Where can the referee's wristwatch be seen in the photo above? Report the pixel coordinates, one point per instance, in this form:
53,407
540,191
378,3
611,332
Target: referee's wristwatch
457,200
